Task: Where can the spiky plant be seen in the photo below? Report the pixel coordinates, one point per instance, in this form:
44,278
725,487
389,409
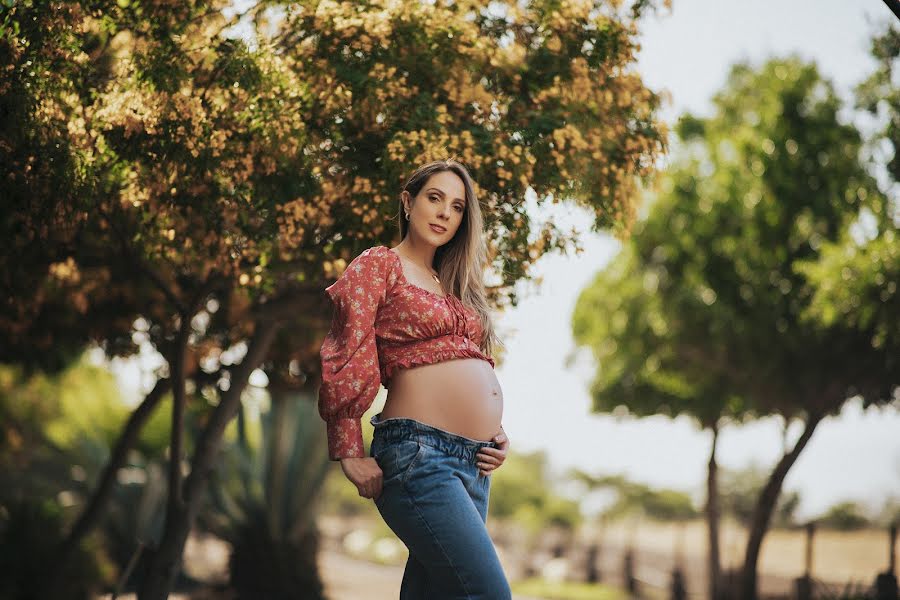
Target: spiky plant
263,501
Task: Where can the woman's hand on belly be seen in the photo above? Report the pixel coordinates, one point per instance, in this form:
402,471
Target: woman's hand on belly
491,458
365,474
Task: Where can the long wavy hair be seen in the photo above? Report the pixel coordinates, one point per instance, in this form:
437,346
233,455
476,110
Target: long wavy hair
460,263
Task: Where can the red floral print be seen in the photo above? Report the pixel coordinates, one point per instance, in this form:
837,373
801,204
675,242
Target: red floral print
382,323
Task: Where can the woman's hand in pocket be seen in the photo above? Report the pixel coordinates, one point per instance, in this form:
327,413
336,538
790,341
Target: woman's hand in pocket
491,458
365,474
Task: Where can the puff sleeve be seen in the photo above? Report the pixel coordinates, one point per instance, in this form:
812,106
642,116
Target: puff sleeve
349,356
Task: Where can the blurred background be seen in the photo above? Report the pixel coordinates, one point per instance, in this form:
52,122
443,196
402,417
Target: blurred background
692,212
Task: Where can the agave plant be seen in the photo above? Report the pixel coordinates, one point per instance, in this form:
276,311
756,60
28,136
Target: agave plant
263,500
134,519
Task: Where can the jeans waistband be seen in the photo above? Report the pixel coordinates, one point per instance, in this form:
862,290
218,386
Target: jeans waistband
402,428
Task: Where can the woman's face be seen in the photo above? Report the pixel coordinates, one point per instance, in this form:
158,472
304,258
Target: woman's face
441,202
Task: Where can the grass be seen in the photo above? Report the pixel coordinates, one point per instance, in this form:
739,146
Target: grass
566,590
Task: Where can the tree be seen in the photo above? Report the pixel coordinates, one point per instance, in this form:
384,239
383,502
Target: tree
762,186
844,516
662,504
644,368
739,491
804,188
209,186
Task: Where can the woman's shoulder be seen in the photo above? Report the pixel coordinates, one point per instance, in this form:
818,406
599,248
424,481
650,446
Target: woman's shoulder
373,256
371,268
377,251
374,260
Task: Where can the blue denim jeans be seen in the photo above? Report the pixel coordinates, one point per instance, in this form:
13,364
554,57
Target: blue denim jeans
435,499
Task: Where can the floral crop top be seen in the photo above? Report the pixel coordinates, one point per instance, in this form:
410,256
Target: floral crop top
381,323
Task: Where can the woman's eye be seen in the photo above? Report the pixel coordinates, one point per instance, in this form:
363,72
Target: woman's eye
456,206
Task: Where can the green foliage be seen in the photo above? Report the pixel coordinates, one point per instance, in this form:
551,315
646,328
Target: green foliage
638,498
58,428
777,177
78,409
29,533
566,590
889,514
844,516
665,505
642,369
154,438
521,491
89,407
856,292
856,278
739,491
879,95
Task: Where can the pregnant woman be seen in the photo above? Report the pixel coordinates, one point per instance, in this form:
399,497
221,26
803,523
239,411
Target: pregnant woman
415,319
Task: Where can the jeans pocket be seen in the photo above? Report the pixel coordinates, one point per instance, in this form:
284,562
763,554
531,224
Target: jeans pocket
397,459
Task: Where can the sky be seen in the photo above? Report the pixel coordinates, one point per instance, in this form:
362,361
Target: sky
688,52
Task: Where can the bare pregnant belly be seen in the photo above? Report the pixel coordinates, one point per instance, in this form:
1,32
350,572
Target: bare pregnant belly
461,396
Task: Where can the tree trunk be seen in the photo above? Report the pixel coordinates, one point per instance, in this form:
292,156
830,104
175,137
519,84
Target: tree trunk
176,444
163,561
712,518
765,506
97,503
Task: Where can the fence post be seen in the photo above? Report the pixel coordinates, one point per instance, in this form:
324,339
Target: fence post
679,590
803,585
593,570
886,583
631,583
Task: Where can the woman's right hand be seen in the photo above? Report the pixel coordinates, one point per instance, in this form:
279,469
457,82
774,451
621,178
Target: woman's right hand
365,474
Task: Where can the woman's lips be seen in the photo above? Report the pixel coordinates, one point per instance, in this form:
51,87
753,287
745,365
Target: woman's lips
437,228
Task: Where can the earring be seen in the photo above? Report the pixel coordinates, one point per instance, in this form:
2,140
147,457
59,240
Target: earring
407,215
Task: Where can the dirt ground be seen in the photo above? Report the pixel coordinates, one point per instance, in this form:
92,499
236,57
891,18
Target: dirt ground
347,578
838,557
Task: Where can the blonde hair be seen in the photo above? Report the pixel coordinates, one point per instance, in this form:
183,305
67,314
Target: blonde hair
460,263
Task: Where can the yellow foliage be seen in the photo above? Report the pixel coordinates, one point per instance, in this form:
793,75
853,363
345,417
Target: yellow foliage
199,188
